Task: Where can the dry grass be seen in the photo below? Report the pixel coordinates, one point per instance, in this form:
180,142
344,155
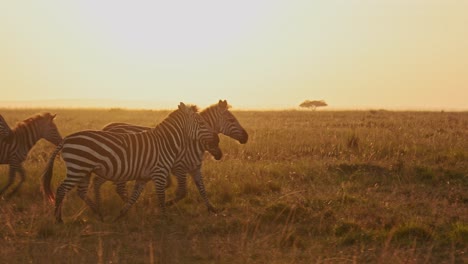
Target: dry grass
309,187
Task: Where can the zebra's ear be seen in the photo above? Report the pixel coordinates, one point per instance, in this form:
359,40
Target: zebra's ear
222,104
182,107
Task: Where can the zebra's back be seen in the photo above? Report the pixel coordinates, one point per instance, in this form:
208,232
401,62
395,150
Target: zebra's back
125,128
113,156
186,161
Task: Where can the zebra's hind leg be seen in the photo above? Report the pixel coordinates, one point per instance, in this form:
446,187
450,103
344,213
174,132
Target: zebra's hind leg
121,188
62,190
181,188
137,189
22,174
82,193
198,178
97,183
11,178
168,181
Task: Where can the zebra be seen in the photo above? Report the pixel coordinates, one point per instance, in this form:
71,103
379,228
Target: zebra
15,148
220,119
122,157
5,130
129,128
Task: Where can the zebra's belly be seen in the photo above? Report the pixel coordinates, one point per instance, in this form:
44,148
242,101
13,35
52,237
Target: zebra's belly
123,175
185,168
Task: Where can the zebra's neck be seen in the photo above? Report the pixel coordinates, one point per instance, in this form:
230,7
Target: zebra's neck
26,136
211,116
169,132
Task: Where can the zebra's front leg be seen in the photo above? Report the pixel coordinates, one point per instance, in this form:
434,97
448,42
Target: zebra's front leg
181,191
11,178
159,178
198,178
82,193
137,189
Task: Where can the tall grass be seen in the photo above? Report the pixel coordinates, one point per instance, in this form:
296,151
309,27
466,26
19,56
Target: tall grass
324,187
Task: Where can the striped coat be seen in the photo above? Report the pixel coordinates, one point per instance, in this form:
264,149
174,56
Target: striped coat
220,119
123,157
15,148
5,130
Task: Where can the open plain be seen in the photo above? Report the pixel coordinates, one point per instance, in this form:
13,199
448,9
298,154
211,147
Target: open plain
309,187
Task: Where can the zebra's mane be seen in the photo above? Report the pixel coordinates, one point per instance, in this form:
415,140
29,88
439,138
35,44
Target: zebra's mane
193,107
32,119
213,107
3,122
176,112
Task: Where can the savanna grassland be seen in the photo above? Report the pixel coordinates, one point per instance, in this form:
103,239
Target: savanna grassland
308,187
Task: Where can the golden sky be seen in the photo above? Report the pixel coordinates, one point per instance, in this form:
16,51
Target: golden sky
393,54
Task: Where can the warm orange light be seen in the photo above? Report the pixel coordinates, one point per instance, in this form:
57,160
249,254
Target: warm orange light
256,54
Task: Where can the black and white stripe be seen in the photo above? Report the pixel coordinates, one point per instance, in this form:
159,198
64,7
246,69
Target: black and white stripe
16,146
220,119
5,130
123,157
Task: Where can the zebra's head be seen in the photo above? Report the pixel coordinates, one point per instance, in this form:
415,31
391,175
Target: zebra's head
223,121
199,130
48,130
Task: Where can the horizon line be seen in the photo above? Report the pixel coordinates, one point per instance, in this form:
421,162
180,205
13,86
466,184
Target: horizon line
110,104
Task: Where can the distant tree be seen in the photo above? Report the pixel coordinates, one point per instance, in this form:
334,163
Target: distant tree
313,104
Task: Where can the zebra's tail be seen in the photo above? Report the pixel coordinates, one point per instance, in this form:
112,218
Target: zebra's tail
47,175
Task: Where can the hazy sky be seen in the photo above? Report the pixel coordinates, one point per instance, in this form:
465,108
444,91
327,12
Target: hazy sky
256,54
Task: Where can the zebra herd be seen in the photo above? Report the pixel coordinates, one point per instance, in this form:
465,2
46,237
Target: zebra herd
123,152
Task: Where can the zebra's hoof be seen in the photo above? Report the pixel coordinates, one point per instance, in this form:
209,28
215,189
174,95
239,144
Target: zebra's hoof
214,210
170,203
118,218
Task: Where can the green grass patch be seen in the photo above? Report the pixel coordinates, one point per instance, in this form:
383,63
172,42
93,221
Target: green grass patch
409,233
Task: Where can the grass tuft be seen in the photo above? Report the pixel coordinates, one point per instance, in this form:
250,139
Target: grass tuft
353,141
408,233
45,229
459,234
424,174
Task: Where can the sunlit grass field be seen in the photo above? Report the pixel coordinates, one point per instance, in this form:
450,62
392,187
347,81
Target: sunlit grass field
308,187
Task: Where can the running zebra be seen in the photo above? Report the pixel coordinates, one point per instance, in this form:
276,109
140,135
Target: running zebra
220,119
123,157
5,130
15,148
128,128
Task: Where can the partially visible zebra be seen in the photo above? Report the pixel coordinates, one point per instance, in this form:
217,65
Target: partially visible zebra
123,157
128,128
15,148
5,130
220,119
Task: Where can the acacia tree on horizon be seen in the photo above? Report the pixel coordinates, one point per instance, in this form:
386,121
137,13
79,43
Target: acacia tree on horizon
313,104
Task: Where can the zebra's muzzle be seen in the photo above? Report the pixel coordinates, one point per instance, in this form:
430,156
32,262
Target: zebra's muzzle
243,138
216,152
